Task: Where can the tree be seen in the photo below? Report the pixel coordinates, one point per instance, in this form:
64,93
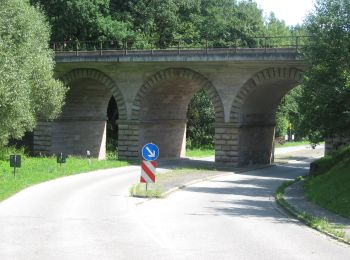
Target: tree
83,20
278,31
28,90
288,114
201,118
326,96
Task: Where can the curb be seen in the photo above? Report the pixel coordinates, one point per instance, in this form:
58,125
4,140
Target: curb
168,192
291,210
183,186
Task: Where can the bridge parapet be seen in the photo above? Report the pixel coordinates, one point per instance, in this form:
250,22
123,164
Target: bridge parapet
257,45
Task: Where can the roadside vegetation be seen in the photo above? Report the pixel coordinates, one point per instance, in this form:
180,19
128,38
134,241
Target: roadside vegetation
37,170
320,224
330,186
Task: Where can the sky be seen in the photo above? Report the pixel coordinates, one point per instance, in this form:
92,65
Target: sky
292,12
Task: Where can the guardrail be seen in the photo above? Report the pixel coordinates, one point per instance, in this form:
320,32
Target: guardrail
291,44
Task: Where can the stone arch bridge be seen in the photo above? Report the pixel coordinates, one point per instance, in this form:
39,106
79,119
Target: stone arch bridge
152,90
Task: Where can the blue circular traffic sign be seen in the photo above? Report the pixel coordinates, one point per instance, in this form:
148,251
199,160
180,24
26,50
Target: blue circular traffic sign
150,152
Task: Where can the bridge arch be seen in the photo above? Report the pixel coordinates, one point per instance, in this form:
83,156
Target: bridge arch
161,106
82,123
253,112
86,73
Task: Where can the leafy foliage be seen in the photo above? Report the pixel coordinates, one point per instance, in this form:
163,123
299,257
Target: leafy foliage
160,23
83,20
200,125
326,97
28,90
288,114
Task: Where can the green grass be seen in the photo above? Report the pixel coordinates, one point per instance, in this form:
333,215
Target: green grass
331,190
139,190
200,152
37,170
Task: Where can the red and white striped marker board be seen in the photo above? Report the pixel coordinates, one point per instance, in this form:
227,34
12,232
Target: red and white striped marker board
148,171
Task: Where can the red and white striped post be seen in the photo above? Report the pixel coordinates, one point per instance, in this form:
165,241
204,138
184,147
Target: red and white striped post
148,172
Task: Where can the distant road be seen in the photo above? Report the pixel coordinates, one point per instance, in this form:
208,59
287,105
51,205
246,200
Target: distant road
90,216
283,150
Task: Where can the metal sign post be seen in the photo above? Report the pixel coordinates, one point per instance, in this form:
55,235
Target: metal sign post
150,153
61,158
15,162
88,155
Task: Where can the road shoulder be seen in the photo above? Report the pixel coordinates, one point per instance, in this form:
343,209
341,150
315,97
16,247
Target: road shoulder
298,205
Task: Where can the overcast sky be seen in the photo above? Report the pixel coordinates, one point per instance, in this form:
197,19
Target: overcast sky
292,12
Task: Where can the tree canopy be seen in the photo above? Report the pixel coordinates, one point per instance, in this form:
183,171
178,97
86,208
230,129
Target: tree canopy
325,103
28,90
159,23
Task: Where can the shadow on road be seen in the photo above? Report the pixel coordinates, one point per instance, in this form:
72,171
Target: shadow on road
250,194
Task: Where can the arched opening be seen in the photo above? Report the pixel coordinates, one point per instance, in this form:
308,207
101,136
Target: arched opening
288,118
161,108
112,128
200,122
254,112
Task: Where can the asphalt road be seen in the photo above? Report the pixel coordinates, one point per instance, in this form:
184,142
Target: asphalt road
90,216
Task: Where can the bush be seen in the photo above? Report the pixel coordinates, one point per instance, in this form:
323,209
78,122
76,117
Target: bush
5,152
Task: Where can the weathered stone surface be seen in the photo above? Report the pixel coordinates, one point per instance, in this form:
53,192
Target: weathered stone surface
153,92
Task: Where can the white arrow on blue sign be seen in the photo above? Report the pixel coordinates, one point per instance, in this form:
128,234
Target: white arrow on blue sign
150,152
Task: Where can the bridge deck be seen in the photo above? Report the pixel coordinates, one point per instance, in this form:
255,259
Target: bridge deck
218,54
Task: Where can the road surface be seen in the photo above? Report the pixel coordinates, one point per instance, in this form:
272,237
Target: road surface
90,216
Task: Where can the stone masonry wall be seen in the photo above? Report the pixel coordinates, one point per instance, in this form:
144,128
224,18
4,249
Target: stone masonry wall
42,138
226,144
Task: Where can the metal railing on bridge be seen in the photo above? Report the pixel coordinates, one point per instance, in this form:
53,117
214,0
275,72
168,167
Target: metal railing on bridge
290,44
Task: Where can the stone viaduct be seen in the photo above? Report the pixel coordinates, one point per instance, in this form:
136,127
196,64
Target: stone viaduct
152,90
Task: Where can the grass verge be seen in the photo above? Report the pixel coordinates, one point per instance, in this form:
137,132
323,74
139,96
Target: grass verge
37,170
330,186
320,224
200,152
140,190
